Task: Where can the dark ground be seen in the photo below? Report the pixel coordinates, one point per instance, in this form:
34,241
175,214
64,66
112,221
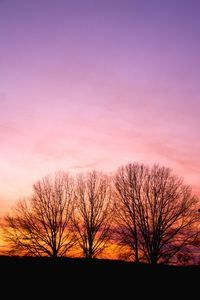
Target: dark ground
45,278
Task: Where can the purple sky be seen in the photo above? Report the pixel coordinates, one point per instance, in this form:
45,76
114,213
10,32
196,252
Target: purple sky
94,84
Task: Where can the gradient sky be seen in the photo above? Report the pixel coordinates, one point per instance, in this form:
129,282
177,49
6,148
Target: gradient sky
96,84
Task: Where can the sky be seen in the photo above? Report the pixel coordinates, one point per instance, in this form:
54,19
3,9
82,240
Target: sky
95,84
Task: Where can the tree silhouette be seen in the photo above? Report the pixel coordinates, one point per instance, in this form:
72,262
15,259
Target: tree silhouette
128,183
93,214
41,225
157,214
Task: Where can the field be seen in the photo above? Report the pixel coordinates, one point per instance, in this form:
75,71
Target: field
93,279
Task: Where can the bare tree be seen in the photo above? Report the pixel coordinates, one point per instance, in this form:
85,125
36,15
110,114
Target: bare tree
158,214
41,225
168,216
93,214
128,185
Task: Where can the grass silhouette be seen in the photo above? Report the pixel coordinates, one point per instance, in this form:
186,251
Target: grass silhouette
96,278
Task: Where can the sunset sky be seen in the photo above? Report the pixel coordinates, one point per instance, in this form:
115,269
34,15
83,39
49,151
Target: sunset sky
96,84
